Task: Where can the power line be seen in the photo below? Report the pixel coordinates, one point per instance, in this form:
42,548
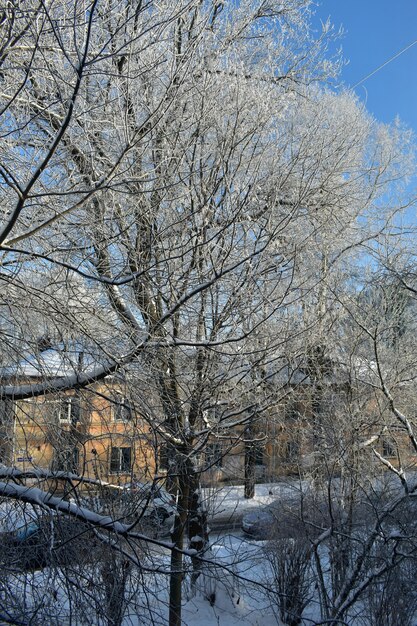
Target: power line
410,45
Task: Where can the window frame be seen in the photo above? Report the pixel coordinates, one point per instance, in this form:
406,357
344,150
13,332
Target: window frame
292,450
163,457
67,460
118,464
214,455
259,455
122,410
65,410
62,414
389,448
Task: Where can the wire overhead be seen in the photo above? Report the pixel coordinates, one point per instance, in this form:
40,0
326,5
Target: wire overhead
395,56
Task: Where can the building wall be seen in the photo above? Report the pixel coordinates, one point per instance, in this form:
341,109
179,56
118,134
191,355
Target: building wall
115,445
94,437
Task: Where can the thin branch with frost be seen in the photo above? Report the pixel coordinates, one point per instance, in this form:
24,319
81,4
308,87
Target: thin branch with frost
398,472
24,195
402,418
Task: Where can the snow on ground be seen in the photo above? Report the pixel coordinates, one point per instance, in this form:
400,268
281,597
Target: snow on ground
238,600
14,515
229,502
229,594
232,591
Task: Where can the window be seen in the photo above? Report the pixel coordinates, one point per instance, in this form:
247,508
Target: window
163,457
292,450
291,412
64,410
6,412
120,460
388,447
214,455
75,410
66,460
259,455
122,410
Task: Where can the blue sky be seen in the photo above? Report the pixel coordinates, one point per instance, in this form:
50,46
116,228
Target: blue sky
376,30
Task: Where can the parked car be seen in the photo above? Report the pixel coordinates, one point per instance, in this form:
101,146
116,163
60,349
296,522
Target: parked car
280,519
46,541
260,524
156,506
294,518
148,503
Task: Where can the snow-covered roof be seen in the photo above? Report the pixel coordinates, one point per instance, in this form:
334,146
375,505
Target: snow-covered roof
55,362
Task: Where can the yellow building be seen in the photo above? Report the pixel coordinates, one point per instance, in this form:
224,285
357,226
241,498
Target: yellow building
95,432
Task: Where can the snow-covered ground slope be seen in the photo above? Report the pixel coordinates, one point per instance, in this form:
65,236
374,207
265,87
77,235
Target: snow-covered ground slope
233,595
230,592
228,504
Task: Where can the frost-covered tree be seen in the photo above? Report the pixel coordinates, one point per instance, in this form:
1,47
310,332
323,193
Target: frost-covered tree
177,191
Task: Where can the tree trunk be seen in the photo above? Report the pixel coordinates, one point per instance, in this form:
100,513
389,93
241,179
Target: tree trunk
197,527
250,466
176,576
